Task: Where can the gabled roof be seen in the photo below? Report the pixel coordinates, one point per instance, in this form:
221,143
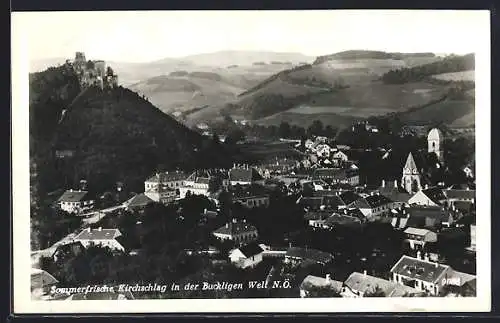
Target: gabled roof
309,254
138,201
417,231
98,234
394,192
244,175
315,281
419,269
367,283
251,249
236,227
317,215
341,220
349,197
425,215
435,194
68,247
73,196
311,202
410,162
41,278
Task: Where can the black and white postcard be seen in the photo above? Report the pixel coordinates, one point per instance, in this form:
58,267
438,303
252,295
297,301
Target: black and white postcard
251,161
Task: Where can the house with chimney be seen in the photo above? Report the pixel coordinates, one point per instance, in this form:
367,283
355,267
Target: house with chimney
161,186
244,175
247,256
100,237
421,273
418,238
75,201
312,283
358,285
238,231
373,205
429,217
195,185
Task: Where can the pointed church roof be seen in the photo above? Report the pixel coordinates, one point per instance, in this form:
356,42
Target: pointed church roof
435,134
410,162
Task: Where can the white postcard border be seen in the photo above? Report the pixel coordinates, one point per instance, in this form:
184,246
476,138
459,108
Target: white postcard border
21,217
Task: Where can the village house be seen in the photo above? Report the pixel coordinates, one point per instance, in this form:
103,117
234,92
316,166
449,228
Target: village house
429,217
337,175
163,181
247,256
244,175
336,220
238,231
322,150
360,284
433,196
297,255
138,202
75,201
421,274
394,192
100,237
417,238
455,195
312,283
373,206
398,218
70,250
339,158
195,185
316,219
251,201
41,284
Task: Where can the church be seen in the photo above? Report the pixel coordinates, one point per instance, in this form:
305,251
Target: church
413,175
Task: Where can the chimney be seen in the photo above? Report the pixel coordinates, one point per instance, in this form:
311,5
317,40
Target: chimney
345,211
426,257
436,264
289,245
426,186
227,225
327,278
234,220
418,255
364,272
383,183
88,229
99,229
372,193
395,183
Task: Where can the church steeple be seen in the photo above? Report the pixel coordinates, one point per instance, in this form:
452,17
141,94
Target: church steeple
410,180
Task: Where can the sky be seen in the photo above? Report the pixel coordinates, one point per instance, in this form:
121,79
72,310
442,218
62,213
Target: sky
143,36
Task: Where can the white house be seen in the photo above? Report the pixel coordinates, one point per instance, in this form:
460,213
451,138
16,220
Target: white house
247,256
373,205
323,150
161,181
340,156
75,201
421,274
199,186
314,282
102,237
238,231
419,237
359,284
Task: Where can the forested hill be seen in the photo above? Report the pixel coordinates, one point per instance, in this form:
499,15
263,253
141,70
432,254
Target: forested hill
368,54
108,135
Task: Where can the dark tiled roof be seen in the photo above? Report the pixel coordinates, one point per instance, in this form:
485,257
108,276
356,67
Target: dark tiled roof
238,227
435,194
426,216
309,254
349,197
69,248
312,202
73,196
419,269
341,219
333,202
167,177
395,193
139,200
377,200
251,249
314,281
460,194
244,175
96,234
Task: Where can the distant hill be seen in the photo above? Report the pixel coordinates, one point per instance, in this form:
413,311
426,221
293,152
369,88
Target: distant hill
246,58
350,86
114,135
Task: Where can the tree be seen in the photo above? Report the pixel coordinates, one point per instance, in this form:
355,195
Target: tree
234,136
375,292
315,129
284,130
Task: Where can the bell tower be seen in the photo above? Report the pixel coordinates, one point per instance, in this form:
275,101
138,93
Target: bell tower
410,180
435,143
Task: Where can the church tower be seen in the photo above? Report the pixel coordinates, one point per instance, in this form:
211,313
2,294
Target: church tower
435,143
411,176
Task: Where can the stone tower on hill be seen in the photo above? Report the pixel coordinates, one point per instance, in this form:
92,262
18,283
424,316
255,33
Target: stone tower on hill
435,143
411,180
